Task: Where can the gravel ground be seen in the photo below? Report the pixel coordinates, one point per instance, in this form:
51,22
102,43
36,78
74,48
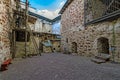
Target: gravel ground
57,66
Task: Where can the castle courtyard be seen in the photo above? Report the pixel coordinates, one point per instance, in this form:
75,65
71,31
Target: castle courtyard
58,66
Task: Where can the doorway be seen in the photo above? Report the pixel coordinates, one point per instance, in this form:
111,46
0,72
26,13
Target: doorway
103,45
74,47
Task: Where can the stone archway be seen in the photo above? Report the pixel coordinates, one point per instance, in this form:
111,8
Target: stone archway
103,45
74,47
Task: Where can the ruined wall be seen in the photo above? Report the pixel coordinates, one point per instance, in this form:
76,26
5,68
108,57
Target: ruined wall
54,41
39,26
56,45
47,28
4,30
87,39
32,26
42,27
20,48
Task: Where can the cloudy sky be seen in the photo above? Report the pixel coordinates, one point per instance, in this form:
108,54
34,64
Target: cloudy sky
47,8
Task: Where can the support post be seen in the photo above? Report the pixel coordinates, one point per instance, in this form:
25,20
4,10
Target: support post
14,44
26,17
39,45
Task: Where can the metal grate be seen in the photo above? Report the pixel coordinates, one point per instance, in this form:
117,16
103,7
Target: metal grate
112,5
95,9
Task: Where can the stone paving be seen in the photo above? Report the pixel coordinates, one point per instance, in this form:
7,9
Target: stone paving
57,66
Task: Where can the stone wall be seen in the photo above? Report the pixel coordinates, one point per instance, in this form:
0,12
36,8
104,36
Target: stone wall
72,21
41,26
4,30
73,16
54,41
20,46
87,39
56,45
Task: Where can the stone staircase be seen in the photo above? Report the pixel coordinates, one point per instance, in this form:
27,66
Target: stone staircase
101,58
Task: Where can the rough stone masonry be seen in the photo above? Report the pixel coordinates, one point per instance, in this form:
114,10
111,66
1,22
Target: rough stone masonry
88,38
4,30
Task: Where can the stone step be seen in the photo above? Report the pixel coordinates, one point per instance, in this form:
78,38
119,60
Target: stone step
103,56
98,61
32,54
74,54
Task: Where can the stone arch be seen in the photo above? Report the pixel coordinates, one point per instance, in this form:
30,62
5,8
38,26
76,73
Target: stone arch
103,45
74,47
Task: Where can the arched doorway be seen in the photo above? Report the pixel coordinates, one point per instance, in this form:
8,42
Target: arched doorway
74,47
103,45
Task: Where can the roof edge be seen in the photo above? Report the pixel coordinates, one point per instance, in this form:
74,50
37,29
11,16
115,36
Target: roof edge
44,18
68,2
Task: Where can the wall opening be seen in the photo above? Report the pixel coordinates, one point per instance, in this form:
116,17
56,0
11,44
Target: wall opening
20,36
103,45
74,47
67,40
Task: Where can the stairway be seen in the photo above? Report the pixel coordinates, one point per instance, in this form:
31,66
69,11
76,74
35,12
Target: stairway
36,48
101,58
113,6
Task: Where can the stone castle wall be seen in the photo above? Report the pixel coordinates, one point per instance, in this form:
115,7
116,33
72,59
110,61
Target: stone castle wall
72,21
4,30
87,39
73,16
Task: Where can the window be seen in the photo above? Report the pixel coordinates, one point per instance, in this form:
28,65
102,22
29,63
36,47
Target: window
20,36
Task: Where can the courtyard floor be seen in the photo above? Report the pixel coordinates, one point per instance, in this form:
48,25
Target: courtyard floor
58,66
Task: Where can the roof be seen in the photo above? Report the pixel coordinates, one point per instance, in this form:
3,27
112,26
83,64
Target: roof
65,6
44,18
39,16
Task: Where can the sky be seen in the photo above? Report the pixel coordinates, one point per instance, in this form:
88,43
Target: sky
47,8
56,28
